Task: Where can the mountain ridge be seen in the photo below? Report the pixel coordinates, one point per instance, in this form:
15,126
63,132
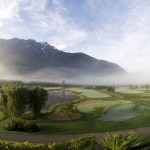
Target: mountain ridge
27,56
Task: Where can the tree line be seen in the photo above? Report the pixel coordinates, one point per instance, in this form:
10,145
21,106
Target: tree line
16,99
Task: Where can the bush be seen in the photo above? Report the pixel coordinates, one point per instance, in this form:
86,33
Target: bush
83,143
120,141
32,127
69,109
21,125
56,146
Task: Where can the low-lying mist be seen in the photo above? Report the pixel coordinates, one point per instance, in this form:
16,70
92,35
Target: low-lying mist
51,75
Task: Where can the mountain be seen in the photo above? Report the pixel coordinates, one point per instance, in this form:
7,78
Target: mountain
28,56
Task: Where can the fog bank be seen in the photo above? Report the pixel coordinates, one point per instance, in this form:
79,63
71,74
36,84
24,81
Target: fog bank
49,75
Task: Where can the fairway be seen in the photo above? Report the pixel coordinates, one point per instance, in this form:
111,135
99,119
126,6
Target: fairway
87,108
89,93
116,110
124,111
126,90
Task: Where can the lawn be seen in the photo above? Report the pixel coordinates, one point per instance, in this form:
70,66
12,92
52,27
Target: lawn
116,110
84,125
142,104
52,88
124,111
127,90
89,93
87,108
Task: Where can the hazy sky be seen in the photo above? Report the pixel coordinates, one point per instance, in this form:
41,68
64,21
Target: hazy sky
114,30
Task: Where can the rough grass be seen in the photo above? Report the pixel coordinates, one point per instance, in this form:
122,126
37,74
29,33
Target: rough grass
84,125
89,93
62,116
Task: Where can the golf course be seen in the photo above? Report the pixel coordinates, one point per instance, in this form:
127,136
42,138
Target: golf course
120,112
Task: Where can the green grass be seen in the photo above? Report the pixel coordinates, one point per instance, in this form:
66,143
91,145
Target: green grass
124,111
84,125
87,108
89,93
142,104
116,110
52,88
126,90
2,115
115,106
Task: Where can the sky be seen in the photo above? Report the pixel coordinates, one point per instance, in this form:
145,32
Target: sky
114,30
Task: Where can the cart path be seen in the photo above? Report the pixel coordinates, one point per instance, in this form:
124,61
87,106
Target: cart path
33,138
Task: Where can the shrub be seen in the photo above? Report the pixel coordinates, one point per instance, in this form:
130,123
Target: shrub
120,141
32,127
11,125
21,125
69,109
85,142
56,146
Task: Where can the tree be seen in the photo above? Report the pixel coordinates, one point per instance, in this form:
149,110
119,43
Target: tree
36,100
98,111
63,84
69,109
14,99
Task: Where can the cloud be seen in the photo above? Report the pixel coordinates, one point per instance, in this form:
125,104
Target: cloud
117,30
124,41
9,11
42,20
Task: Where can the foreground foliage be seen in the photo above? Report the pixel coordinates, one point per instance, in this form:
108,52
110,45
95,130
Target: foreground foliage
21,125
120,141
85,143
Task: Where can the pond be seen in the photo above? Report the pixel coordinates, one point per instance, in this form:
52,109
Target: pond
59,96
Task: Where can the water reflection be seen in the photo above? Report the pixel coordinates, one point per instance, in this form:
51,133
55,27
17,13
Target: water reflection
59,96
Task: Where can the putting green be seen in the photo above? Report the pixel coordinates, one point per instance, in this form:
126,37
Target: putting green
116,110
127,90
87,108
124,111
89,93
142,104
